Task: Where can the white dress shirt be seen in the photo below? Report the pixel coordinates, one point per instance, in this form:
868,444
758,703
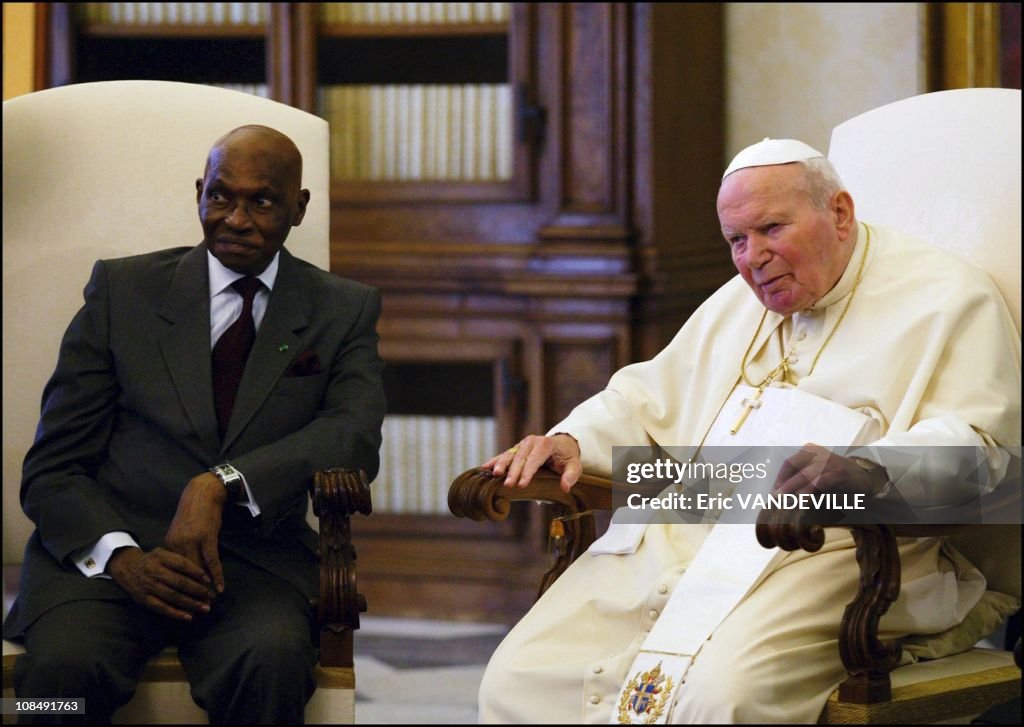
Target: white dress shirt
225,308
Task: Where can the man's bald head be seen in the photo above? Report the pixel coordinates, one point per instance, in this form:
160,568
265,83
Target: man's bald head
261,140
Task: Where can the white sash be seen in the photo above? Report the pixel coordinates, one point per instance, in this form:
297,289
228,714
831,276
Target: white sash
731,562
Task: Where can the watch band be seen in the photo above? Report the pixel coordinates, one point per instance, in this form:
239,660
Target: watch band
231,479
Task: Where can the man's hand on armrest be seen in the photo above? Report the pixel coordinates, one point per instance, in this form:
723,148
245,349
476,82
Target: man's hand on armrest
559,452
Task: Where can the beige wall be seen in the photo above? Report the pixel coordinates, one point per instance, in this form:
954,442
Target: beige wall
19,41
795,70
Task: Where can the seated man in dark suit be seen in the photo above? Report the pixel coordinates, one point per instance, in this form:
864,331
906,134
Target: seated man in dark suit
195,393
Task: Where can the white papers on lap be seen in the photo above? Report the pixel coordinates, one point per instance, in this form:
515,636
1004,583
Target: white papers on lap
790,417
786,417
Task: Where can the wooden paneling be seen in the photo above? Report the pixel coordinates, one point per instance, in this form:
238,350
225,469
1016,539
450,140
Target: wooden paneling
575,372
593,143
590,257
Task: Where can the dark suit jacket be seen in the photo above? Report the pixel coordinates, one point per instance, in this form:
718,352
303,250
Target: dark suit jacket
128,418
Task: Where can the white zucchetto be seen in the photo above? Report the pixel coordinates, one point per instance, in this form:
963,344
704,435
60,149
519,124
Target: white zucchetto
769,152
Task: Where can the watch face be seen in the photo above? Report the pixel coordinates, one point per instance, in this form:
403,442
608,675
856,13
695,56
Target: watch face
230,478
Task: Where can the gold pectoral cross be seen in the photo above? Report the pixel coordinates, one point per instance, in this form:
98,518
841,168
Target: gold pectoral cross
755,402
748,406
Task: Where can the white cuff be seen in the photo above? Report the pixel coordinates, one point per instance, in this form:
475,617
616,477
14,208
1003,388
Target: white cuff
93,561
250,502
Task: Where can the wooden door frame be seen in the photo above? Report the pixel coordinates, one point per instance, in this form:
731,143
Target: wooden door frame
962,45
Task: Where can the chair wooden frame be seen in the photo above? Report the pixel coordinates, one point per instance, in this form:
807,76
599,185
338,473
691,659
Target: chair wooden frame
337,495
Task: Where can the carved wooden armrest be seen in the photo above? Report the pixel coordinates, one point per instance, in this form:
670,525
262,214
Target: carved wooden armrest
867,659
479,495
337,494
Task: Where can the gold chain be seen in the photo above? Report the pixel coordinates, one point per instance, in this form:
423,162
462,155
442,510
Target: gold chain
784,364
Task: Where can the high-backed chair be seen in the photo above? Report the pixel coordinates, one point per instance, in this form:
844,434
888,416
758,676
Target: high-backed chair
945,167
108,169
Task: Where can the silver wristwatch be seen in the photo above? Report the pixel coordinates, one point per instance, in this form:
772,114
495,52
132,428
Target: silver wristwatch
231,479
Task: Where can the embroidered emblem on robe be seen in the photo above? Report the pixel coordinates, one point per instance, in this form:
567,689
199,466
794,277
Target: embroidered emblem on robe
646,696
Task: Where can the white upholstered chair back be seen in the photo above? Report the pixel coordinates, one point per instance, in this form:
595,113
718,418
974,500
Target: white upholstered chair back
108,169
946,167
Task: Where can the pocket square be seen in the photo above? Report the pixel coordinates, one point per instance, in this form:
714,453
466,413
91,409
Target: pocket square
307,364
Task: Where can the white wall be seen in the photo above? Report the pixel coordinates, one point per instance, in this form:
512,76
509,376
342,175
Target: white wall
795,70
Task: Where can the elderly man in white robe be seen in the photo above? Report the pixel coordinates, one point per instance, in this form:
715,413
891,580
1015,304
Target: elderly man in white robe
915,345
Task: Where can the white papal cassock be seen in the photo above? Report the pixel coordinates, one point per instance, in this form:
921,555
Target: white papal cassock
926,348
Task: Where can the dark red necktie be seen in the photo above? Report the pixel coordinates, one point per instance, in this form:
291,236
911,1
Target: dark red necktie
231,351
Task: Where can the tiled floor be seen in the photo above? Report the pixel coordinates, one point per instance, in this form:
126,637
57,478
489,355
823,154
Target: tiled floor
414,671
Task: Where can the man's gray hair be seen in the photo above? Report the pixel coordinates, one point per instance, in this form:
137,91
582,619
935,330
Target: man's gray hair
821,181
